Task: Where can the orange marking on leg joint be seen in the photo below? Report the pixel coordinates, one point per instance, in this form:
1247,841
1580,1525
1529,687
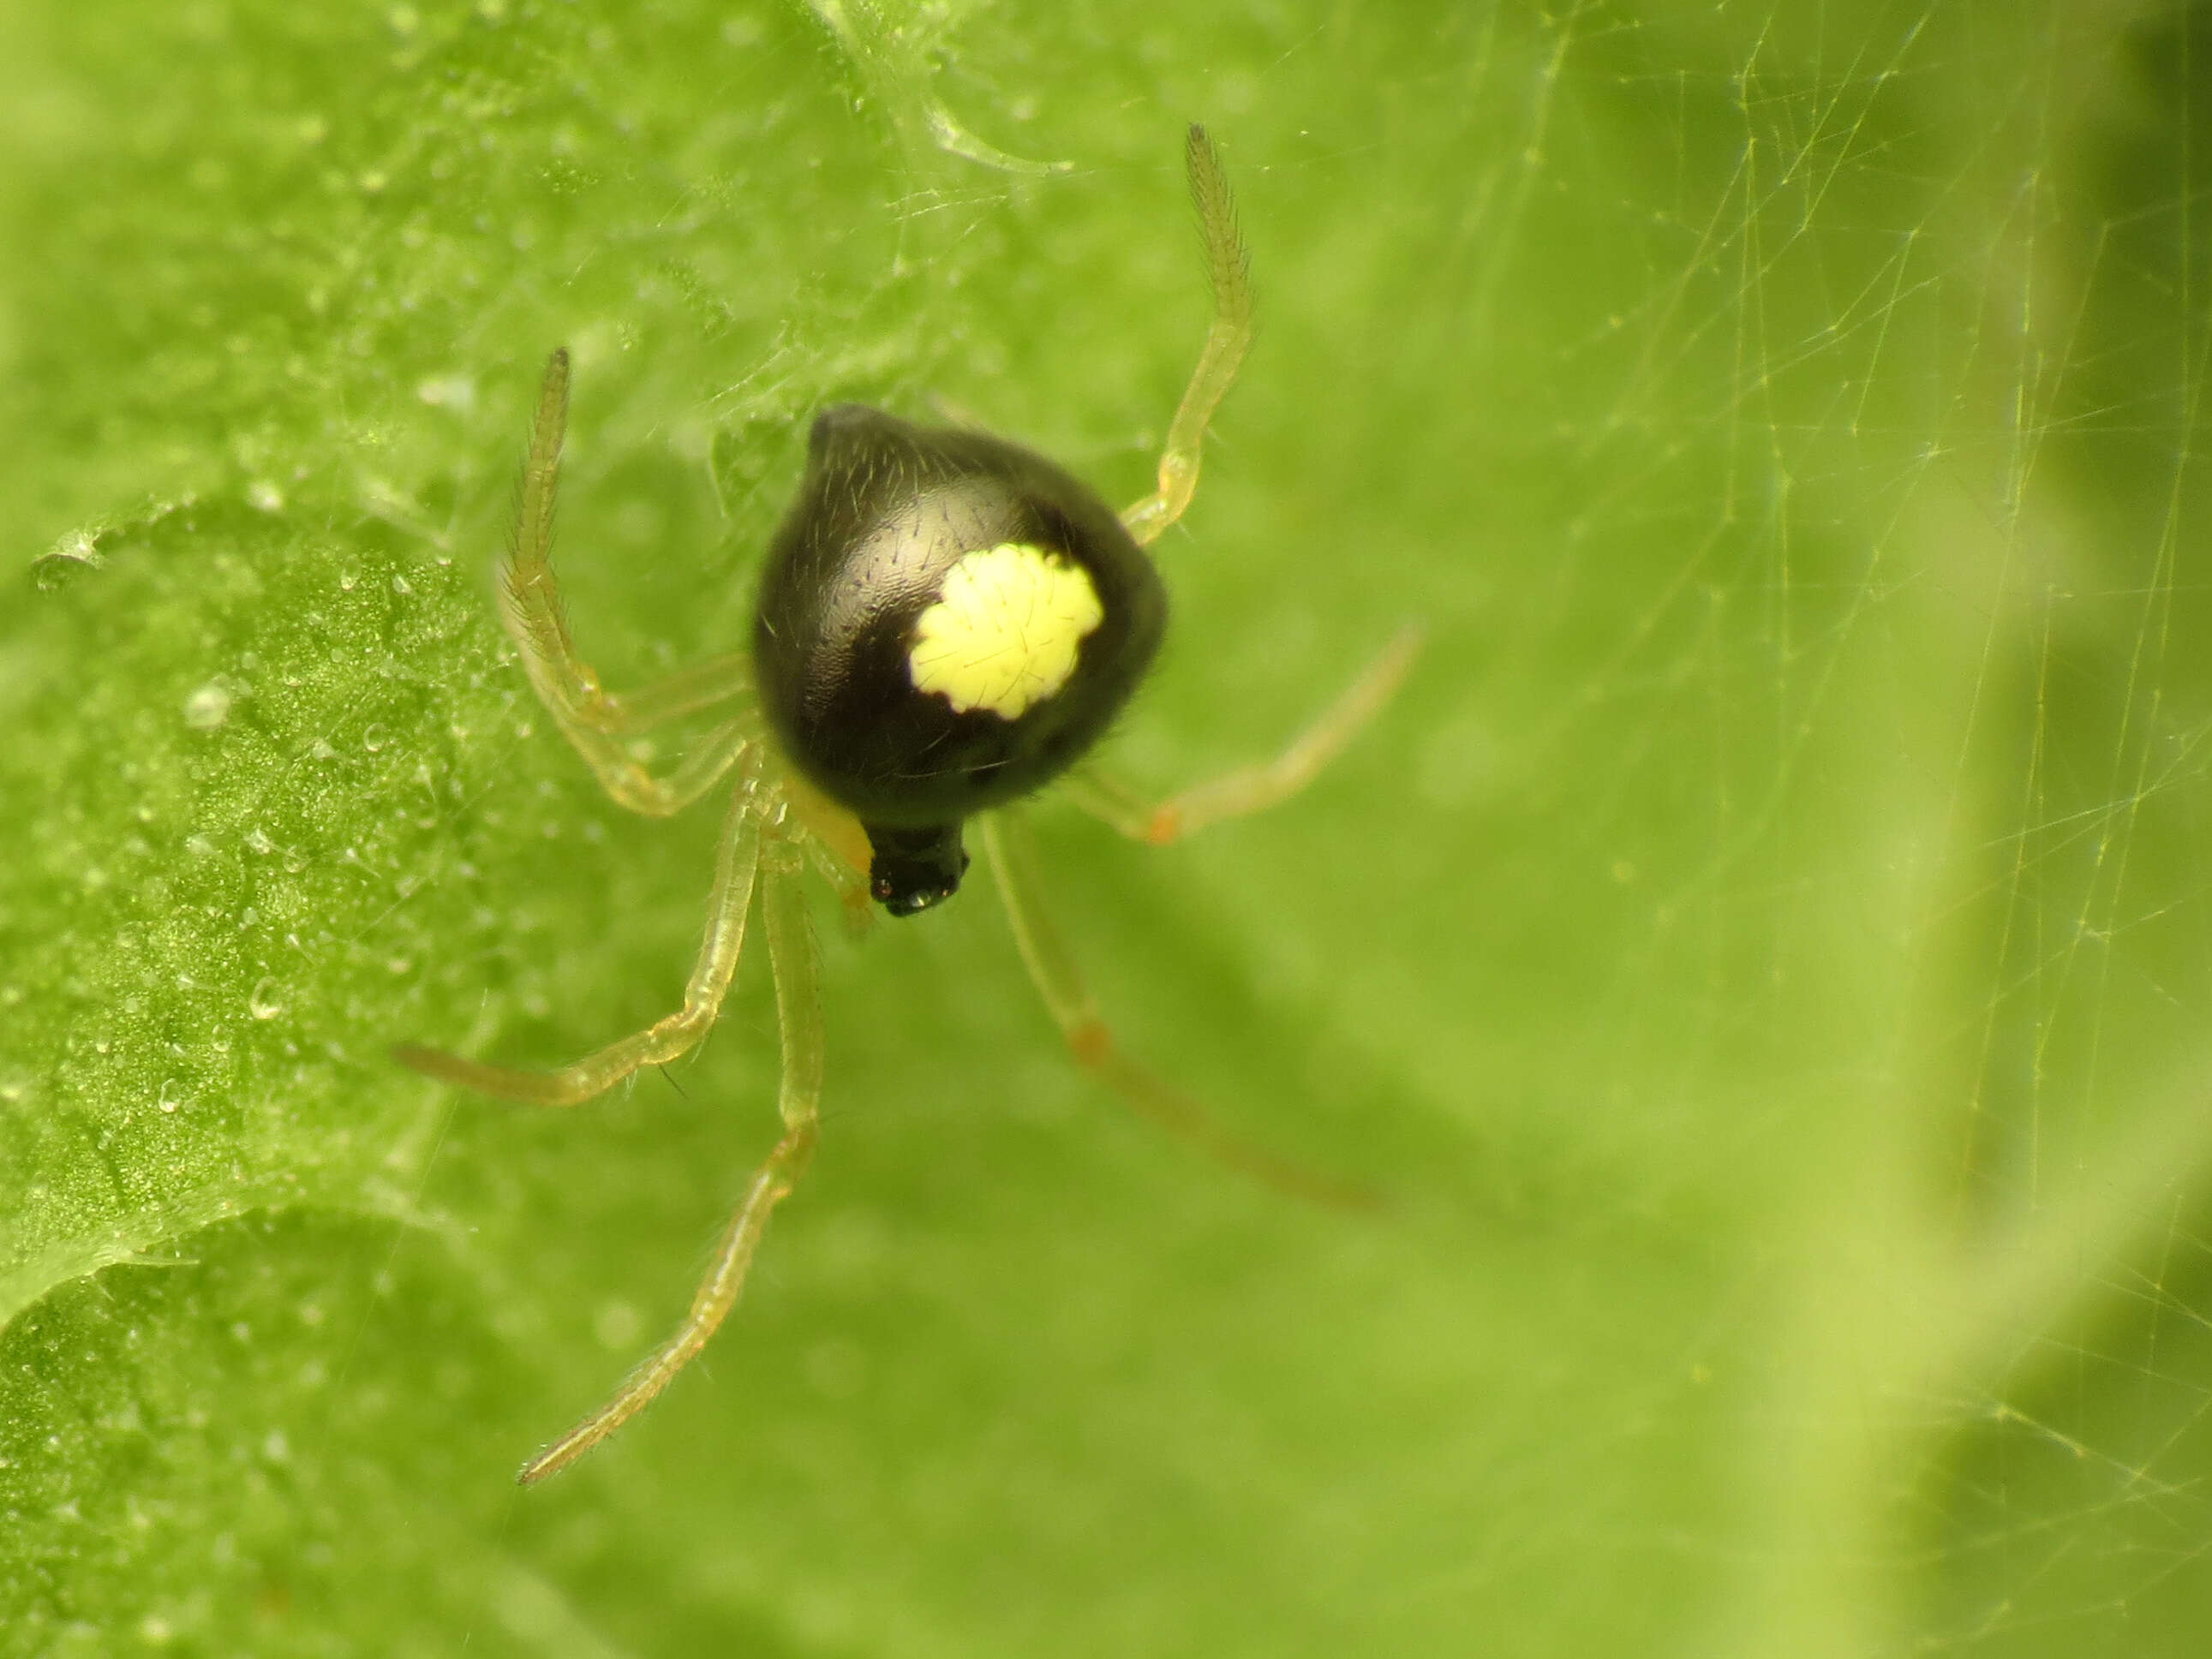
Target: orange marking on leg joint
1090,1042
1166,825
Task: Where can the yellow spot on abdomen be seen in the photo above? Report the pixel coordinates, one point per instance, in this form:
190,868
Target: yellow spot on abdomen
1003,635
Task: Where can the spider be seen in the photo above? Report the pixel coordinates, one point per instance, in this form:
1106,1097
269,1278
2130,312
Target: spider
947,624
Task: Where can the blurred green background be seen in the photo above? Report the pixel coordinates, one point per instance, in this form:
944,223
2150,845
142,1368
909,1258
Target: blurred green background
1765,955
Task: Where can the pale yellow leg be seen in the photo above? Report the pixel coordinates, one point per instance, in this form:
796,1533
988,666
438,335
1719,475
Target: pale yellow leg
735,866
591,717
1229,270
1251,788
707,685
1053,970
798,1019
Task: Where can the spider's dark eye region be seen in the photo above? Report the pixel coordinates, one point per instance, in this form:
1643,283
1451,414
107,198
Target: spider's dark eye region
914,869
946,622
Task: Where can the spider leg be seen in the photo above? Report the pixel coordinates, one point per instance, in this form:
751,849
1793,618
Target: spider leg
704,685
590,716
1053,970
736,864
1229,270
799,1022
837,846
1250,788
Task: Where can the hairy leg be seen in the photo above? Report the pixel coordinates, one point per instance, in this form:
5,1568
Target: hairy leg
798,1021
1250,788
1229,272
736,864
591,717
1053,970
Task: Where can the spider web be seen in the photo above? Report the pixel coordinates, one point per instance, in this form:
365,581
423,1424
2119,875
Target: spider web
1873,374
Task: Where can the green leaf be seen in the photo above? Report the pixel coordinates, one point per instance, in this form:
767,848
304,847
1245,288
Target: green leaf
1763,956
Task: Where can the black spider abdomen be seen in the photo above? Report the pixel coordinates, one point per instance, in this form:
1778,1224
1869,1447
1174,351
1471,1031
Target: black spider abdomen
906,541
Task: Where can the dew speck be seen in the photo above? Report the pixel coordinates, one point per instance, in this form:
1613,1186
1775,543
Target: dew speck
399,585
168,1102
209,707
265,496
375,736
77,552
262,1000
